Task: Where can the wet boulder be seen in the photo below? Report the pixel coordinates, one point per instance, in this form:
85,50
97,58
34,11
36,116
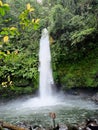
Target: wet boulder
91,124
95,97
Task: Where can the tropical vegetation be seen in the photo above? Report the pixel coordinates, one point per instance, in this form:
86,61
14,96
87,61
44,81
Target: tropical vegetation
73,29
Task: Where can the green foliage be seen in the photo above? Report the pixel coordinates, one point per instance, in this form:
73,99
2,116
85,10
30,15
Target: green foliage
59,20
18,50
15,91
75,33
3,8
13,65
81,73
73,25
80,36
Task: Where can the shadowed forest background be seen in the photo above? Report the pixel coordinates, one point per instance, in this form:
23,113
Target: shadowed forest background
73,29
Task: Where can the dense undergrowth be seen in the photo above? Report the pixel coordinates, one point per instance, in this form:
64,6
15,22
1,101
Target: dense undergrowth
83,73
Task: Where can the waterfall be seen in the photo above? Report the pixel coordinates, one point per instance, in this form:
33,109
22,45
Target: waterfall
45,76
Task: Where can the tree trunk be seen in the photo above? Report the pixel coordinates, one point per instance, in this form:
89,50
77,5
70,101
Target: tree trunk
11,126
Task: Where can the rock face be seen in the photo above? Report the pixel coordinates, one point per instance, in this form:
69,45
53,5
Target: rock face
95,97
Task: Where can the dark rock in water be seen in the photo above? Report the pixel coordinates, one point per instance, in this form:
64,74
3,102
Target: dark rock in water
38,127
91,121
57,127
91,124
30,128
92,127
73,128
95,97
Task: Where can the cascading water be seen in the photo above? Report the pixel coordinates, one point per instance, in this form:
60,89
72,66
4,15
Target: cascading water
69,108
46,78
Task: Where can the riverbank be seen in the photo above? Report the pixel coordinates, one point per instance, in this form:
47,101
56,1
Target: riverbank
87,93
91,124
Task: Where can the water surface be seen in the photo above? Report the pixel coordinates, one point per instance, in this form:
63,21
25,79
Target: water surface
68,109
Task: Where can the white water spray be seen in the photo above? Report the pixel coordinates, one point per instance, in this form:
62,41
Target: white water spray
46,78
